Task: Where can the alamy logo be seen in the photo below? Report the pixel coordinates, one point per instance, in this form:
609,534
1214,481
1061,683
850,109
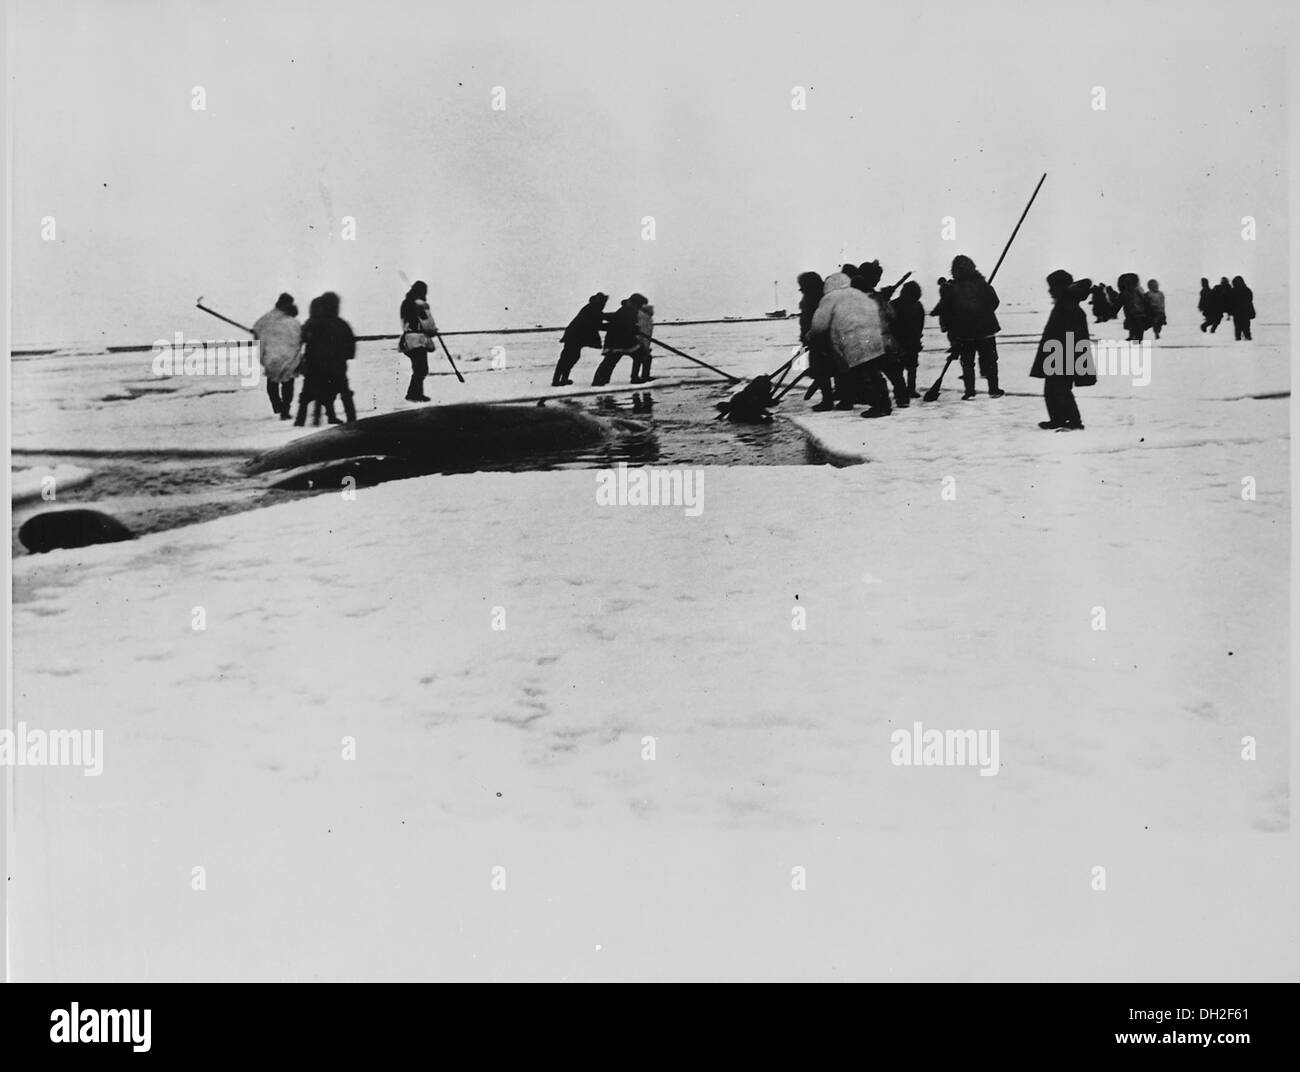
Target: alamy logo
53,748
1098,357
194,357
101,1025
920,747
651,487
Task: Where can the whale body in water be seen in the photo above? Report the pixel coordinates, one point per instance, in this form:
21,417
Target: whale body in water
71,528
433,439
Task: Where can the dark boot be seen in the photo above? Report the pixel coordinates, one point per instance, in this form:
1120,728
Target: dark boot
349,408
994,390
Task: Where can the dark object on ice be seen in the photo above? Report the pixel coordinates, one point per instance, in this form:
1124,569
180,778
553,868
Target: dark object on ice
71,528
439,438
750,404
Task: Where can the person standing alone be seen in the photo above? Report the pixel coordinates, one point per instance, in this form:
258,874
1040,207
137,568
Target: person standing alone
1063,360
279,338
417,329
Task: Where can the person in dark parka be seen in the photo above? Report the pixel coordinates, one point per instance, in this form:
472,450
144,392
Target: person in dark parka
968,311
1243,308
1101,307
621,336
942,284
1207,305
909,323
1064,359
821,362
583,330
1222,301
418,333
329,346
1133,303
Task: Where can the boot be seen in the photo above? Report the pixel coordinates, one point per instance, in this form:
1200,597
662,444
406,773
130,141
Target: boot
994,390
349,408
876,411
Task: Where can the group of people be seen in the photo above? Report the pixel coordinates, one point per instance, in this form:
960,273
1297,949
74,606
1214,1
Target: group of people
1234,300
627,333
1143,310
864,344
320,349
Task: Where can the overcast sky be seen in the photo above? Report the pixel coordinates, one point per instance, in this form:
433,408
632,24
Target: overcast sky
680,111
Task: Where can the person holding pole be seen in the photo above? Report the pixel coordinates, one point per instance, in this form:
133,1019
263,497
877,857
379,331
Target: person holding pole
583,330
621,337
417,327
968,309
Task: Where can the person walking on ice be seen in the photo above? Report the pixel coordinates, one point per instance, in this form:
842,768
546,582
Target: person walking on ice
279,340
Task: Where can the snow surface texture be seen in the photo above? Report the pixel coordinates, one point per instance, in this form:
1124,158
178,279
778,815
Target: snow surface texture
372,619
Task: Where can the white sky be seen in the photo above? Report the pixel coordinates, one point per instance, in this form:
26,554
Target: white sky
616,111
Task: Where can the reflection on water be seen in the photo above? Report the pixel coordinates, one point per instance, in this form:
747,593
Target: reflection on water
671,426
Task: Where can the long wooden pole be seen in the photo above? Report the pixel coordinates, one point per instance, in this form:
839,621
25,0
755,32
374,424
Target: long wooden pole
213,312
933,392
673,350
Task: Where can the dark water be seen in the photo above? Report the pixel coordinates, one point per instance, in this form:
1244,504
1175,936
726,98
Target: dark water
668,426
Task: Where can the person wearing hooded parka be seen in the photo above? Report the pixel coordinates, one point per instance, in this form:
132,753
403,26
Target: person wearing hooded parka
1064,358
968,312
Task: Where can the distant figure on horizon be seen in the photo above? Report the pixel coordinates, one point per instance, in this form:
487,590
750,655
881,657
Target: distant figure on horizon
645,326
417,327
969,310
1243,308
1155,299
583,330
329,346
1222,301
1205,304
279,337
1060,362
909,323
942,284
1102,309
620,336
1133,302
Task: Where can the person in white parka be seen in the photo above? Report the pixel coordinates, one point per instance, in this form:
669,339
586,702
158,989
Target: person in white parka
279,338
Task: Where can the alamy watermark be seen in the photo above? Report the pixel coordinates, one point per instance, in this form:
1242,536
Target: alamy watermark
53,748
196,357
1098,357
651,487
919,747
